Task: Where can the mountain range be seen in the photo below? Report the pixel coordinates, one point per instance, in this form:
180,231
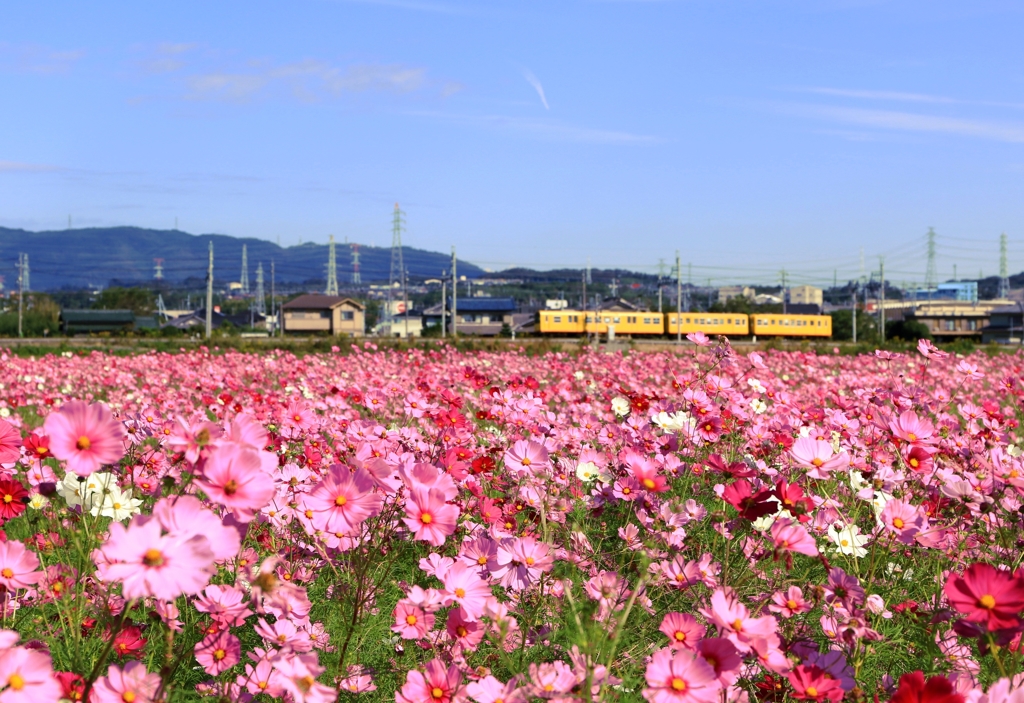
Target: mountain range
93,257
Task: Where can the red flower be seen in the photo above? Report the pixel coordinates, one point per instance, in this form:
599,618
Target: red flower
72,685
37,446
740,495
814,684
12,504
987,596
914,689
129,642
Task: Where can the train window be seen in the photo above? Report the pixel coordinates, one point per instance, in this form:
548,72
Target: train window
687,320
773,322
558,318
616,320
607,320
647,320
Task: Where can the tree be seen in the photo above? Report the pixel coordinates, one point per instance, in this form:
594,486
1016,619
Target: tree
138,300
907,330
842,326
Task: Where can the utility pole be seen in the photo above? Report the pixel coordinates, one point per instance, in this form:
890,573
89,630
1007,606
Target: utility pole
332,269
273,296
854,311
455,295
209,294
881,300
1004,280
679,300
261,303
783,291
585,302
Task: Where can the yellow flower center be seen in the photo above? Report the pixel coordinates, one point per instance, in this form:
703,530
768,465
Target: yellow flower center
16,681
817,462
986,601
231,487
678,684
526,461
153,557
340,501
812,692
529,561
791,604
128,697
680,636
897,522
83,443
649,483
219,654
460,592
410,619
737,624
8,498
426,518
436,692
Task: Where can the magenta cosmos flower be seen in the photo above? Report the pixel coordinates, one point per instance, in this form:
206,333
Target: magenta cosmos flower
680,677
28,676
987,596
435,684
10,443
817,455
238,477
429,517
85,436
150,564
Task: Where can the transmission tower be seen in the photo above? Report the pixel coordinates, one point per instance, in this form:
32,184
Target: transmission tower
356,278
930,275
1004,280
260,304
332,269
245,270
397,265
158,269
161,309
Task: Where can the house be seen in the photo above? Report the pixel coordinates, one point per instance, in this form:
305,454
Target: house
313,313
89,321
727,293
407,325
1005,325
806,295
478,316
953,319
197,319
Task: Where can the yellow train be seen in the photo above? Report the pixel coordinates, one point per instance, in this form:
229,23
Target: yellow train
638,323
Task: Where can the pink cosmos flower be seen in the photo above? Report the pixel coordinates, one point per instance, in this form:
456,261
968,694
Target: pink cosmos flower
411,622
987,596
680,677
733,620
904,519
298,415
192,440
551,680
910,428
296,674
226,605
789,536
790,603
682,629
85,436
185,515
699,338
218,652
526,456
151,564
521,561
491,690
429,517
10,443
435,684
723,657
28,676
238,477
817,455
466,633
133,684
246,430
343,500
19,568
464,586
646,473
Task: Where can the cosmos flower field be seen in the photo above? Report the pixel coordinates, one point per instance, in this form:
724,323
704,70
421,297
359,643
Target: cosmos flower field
436,526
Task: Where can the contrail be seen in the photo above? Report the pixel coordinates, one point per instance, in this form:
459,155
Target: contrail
532,80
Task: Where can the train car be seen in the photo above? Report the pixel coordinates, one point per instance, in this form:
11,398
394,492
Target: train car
791,325
710,323
633,322
569,322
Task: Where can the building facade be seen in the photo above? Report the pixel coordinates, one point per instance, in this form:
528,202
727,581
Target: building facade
317,314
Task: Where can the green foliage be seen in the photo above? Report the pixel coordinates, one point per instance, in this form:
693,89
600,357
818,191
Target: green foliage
139,300
842,326
907,330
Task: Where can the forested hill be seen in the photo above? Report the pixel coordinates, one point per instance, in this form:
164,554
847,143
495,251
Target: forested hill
93,257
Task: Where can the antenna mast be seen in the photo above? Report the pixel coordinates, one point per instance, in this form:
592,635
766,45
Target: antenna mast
332,269
1004,279
245,270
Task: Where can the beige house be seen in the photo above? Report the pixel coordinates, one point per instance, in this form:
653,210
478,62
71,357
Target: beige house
806,295
313,313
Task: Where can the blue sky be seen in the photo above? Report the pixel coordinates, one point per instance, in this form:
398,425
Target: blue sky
751,136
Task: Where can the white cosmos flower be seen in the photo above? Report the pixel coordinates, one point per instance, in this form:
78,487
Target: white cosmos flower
77,491
578,375
38,501
758,406
756,385
117,505
587,471
848,539
620,406
1014,451
673,423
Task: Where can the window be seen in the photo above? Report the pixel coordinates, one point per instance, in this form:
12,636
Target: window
607,320
347,315
558,318
687,320
972,325
949,325
616,320
647,320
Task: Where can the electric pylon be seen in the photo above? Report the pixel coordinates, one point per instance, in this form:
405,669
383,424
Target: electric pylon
332,269
245,270
930,275
397,265
356,278
158,269
1004,279
261,304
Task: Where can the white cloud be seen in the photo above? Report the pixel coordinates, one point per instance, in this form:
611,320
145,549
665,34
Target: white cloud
879,95
912,122
21,167
544,129
532,80
308,80
31,58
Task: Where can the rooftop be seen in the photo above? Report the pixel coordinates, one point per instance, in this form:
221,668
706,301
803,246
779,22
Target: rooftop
317,301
